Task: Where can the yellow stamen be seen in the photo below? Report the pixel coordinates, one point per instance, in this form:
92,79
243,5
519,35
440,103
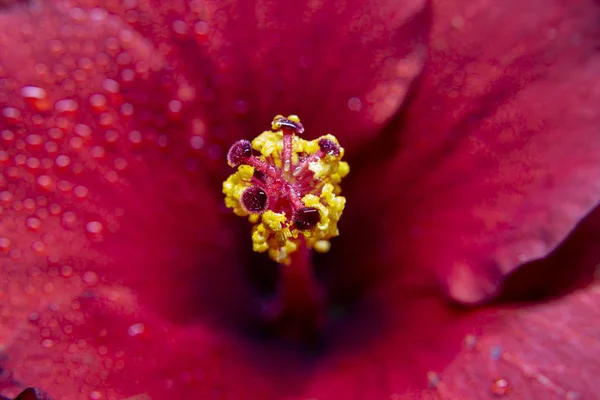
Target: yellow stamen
310,178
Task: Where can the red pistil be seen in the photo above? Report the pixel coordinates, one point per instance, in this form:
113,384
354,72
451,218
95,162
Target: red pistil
298,311
289,187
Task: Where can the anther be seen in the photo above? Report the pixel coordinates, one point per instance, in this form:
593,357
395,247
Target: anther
307,218
239,152
254,200
292,123
329,147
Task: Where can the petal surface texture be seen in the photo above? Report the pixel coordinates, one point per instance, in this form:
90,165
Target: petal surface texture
499,149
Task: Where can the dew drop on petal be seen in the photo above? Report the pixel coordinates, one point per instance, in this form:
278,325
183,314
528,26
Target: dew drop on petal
69,220
11,115
433,379
496,352
45,182
126,110
95,395
98,102
66,106
111,86
90,277
63,161
197,142
97,152
94,228
470,341
34,140
64,186
354,104
83,130
180,28
4,244
500,387
36,97
6,197
38,247
81,192
7,136
33,224
48,287
66,271
135,137
174,108
136,329
201,31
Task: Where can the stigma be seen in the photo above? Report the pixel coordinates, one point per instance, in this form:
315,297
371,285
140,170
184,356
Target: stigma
288,187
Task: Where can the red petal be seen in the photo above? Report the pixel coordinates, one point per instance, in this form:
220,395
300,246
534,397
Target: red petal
98,188
500,148
408,337
545,351
343,68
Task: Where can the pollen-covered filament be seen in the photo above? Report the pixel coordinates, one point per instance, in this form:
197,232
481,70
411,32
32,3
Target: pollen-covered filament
288,187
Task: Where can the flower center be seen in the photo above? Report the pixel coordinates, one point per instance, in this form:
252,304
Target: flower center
289,190
288,187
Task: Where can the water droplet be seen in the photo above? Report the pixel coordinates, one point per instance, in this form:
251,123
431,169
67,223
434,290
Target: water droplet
6,197
197,142
4,244
136,329
29,204
573,395
500,387
97,152
98,102
48,287
433,379
496,352
201,31
36,97
55,133
470,341
90,277
33,224
174,109
69,220
34,140
45,182
82,130
7,136
64,187
11,115
33,164
126,110
81,192
111,86
50,147
63,161
38,246
180,28
135,137
354,104
66,106
94,227
120,164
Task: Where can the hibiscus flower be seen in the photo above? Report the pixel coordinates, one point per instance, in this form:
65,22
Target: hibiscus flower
464,265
